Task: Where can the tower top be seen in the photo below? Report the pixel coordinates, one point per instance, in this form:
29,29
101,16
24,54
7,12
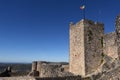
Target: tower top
87,22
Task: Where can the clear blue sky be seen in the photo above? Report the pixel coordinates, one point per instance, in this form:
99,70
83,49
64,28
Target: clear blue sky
39,29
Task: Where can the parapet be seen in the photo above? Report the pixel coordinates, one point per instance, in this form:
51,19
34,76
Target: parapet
86,22
93,22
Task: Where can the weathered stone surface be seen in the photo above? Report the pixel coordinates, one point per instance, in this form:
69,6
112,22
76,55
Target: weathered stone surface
77,49
34,73
50,69
93,46
110,46
111,75
108,64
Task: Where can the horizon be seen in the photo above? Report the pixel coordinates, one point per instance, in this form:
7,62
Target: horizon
38,30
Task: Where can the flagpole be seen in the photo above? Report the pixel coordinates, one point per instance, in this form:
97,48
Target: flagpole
84,10
84,14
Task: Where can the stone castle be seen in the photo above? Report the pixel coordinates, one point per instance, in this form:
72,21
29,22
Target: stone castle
89,48
91,51
89,44
92,54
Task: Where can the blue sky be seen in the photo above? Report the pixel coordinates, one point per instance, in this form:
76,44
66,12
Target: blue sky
39,29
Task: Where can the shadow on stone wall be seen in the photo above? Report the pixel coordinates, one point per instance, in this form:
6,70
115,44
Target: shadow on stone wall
61,78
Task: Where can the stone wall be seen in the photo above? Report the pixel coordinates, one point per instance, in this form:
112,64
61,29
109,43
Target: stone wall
49,69
76,57
113,74
112,41
110,46
93,46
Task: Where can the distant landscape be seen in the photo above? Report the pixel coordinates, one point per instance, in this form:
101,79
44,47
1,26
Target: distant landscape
18,69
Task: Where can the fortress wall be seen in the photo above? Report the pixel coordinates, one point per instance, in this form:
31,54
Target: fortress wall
93,34
48,70
110,46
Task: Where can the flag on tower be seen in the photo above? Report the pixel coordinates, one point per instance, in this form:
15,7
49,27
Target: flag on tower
82,7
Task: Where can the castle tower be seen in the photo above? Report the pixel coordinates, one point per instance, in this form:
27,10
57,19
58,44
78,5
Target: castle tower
118,34
34,66
86,47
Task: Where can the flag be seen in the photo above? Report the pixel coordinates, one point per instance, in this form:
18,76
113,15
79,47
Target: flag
82,7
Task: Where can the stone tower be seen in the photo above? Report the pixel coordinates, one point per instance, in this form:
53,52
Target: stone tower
118,34
86,47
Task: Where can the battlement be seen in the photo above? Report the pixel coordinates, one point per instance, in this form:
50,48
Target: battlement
86,22
93,23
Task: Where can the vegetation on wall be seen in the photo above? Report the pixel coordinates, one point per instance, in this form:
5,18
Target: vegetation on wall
90,35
